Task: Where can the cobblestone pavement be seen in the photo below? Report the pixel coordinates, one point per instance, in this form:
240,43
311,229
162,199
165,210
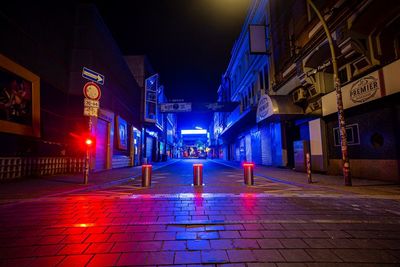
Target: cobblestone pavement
223,224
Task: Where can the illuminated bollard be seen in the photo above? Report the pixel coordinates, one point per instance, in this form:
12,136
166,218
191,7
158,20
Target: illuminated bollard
197,174
146,175
308,164
248,173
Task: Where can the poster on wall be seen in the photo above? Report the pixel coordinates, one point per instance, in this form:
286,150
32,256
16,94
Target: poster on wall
19,99
122,133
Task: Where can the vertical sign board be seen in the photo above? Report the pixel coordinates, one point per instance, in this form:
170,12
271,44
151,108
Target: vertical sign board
150,112
258,40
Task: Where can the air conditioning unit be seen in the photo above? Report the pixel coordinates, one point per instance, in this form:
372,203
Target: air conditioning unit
321,83
299,96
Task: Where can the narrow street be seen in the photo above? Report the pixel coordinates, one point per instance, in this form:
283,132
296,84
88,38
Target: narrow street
223,222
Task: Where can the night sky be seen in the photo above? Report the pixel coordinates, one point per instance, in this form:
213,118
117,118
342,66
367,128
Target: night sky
187,41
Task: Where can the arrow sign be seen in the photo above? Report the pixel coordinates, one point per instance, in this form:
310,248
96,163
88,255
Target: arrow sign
91,75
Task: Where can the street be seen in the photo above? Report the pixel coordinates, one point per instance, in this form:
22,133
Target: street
277,222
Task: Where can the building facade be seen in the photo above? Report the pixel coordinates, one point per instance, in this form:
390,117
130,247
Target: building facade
42,121
298,111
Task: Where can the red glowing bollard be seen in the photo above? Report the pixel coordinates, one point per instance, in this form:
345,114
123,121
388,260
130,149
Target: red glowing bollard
248,173
146,175
197,174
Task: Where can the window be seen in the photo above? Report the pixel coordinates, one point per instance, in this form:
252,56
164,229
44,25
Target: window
353,136
261,79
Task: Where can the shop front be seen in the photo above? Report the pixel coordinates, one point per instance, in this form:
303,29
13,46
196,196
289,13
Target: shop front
372,114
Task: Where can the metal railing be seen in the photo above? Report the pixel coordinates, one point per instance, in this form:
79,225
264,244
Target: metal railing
18,167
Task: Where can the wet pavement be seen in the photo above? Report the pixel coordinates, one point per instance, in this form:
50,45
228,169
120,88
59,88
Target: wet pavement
278,222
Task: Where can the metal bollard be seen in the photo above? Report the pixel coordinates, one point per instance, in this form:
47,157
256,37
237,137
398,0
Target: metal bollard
248,173
308,165
197,174
146,175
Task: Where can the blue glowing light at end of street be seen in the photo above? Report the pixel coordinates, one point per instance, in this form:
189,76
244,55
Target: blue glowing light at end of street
193,132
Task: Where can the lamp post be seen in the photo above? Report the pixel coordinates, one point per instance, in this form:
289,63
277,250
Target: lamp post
339,102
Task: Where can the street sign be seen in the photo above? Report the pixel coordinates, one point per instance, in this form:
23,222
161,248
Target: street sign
176,107
215,106
91,103
93,76
92,91
90,111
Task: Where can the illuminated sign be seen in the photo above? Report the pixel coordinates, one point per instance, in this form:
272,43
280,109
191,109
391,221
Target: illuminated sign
183,132
151,85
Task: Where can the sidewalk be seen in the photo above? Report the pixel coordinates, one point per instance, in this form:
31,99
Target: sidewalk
287,176
46,186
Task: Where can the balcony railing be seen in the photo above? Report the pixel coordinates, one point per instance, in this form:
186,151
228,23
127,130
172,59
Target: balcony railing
18,167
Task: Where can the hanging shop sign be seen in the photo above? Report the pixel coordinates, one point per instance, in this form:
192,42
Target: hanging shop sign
264,108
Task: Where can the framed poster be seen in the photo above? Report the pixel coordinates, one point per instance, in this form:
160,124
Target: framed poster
122,133
19,99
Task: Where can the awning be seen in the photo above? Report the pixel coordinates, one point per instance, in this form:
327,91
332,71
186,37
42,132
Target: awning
243,122
277,108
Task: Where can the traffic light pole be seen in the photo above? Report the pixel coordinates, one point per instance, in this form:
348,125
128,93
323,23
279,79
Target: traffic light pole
339,101
87,158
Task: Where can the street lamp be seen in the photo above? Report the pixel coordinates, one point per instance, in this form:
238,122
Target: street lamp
339,102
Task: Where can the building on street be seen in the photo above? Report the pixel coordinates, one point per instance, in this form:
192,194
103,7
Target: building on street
287,99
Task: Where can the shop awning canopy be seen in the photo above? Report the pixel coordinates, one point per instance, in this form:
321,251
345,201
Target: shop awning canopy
277,108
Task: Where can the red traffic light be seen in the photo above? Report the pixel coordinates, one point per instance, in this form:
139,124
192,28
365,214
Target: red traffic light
88,141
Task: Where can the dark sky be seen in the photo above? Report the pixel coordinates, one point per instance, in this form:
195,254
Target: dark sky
187,41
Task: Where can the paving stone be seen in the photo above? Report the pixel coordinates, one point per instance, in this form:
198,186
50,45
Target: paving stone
273,234
241,256
73,249
104,260
156,258
262,264
71,239
221,244
96,248
47,261
251,234
269,243
323,255
198,244
46,250
295,234
207,235
99,238
133,258
268,255
75,260
365,255
125,247
229,234
295,255
187,257
174,245
214,256
149,246
318,243
232,265
245,243
253,226
316,233
232,227
185,235
293,243
165,236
